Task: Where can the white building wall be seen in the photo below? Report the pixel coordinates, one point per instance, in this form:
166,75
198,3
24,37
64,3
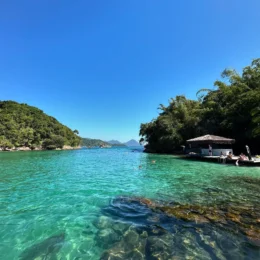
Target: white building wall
216,152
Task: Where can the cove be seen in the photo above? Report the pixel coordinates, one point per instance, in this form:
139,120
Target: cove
98,204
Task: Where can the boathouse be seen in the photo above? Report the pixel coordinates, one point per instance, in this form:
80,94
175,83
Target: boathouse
200,145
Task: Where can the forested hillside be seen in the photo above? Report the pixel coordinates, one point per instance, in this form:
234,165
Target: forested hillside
92,142
97,142
231,109
23,125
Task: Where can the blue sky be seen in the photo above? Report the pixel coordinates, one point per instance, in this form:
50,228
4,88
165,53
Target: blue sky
103,67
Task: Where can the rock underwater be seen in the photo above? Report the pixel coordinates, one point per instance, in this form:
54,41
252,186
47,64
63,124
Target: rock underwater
45,250
140,228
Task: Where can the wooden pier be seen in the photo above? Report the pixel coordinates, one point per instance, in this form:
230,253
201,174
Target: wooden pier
217,159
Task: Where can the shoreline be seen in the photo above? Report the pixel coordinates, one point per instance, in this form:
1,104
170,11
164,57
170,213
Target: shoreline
28,149
66,147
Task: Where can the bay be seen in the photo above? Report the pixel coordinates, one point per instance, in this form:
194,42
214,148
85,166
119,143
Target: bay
46,193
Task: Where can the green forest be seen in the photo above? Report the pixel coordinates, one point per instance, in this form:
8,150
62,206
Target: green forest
24,125
230,109
88,142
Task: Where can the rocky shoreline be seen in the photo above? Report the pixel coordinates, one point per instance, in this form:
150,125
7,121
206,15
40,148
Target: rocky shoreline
39,148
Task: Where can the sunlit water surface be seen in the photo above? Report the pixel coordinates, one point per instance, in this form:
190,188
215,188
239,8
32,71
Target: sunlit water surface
48,193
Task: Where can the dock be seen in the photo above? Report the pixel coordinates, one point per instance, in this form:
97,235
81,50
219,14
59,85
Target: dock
217,159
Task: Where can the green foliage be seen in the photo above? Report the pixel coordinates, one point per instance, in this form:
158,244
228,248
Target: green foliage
231,110
256,120
55,141
23,125
88,142
174,124
76,132
92,142
4,143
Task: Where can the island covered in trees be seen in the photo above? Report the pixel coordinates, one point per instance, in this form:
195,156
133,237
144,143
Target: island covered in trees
231,109
25,126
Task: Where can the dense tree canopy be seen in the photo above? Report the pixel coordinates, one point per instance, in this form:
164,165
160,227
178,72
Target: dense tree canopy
23,125
88,142
231,109
175,123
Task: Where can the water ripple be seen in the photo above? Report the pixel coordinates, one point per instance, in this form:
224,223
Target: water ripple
46,193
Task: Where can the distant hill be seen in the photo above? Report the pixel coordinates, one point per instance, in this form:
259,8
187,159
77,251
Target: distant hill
115,143
132,143
129,143
22,125
97,142
92,142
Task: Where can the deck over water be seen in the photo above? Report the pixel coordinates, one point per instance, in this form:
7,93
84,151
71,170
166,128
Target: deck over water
254,162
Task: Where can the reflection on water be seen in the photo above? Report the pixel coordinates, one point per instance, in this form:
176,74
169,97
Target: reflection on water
93,204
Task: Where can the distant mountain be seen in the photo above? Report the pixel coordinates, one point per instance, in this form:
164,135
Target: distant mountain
97,142
132,143
114,142
92,142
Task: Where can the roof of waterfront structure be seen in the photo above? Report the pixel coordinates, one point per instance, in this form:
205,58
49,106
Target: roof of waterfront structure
211,139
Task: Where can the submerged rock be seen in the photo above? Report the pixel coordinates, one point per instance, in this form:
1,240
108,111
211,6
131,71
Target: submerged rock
160,247
130,239
103,222
110,255
46,249
253,234
131,246
170,230
120,227
107,237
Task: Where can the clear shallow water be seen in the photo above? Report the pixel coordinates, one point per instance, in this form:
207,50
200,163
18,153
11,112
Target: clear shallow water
76,192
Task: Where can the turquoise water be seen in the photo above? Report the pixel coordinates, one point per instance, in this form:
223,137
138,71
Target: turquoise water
46,193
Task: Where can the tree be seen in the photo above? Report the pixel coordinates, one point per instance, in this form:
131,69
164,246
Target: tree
231,109
177,122
4,143
26,136
54,142
23,125
256,120
76,132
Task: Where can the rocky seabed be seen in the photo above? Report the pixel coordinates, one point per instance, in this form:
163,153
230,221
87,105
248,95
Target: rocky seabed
139,228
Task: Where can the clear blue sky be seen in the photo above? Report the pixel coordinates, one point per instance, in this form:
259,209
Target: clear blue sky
103,67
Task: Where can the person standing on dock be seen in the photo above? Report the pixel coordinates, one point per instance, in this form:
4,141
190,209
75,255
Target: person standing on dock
249,153
210,150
